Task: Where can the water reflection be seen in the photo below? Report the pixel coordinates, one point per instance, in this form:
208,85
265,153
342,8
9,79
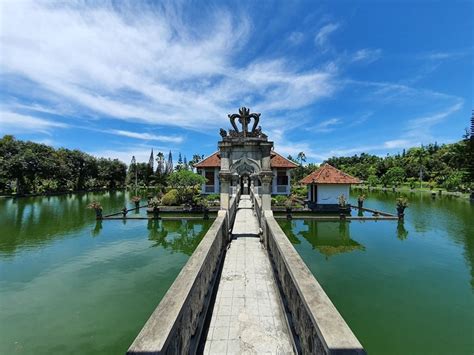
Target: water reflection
329,238
97,228
29,221
449,216
177,235
402,232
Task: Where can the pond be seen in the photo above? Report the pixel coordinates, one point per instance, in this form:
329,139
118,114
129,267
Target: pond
403,288
69,284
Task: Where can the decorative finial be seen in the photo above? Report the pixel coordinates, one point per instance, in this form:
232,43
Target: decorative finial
244,117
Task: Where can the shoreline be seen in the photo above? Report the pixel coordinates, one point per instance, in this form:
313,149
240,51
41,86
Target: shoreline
58,193
417,190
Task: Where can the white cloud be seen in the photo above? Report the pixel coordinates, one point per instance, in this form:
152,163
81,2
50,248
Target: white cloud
296,38
141,152
421,126
367,55
143,64
14,123
323,34
147,136
325,126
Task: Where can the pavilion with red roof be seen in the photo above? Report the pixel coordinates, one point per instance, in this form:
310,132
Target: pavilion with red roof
327,184
281,167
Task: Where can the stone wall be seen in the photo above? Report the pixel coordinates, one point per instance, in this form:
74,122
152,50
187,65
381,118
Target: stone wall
176,324
317,325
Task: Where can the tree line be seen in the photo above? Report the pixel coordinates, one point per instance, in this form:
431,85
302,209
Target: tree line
144,175
27,167
450,166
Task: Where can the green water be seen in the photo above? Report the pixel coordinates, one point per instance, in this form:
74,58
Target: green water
71,285
402,288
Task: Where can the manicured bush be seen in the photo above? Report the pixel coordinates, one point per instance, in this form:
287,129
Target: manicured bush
213,197
170,198
280,200
299,191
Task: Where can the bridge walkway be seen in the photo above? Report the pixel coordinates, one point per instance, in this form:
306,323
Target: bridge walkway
247,316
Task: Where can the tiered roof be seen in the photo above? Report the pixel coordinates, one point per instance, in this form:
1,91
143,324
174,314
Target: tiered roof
276,161
328,174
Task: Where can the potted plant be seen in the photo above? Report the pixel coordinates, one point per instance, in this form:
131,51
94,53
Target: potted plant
289,206
402,203
154,205
360,201
97,207
136,200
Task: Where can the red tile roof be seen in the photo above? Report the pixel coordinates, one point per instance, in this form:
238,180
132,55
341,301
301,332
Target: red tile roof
276,161
212,161
328,174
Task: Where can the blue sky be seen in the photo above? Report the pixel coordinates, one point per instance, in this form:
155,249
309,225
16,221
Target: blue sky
116,79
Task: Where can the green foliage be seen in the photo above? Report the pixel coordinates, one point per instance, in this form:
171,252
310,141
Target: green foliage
94,205
453,181
27,167
186,183
412,182
280,200
402,202
373,180
154,202
170,198
300,191
394,176
213,197
445,165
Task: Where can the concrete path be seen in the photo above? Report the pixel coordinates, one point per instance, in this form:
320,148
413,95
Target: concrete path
247,317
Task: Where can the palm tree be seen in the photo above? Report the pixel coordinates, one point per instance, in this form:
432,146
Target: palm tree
420,156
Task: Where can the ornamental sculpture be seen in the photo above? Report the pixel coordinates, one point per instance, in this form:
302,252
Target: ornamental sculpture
244,117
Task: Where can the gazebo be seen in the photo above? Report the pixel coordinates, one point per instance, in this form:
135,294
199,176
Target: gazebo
325,186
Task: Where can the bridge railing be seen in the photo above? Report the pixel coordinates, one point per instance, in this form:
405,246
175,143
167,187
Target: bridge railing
176,325
233,204
316,323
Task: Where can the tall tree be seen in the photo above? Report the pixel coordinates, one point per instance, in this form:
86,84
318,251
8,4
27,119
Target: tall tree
169,164
160,159
185,163
151,161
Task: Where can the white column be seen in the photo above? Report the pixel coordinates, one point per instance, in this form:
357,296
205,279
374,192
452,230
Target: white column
266,193
288,187
274,182
203,186
216,180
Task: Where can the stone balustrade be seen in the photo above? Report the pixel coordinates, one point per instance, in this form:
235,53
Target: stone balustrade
317,325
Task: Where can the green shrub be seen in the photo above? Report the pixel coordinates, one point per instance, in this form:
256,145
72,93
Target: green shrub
170,198
213,197
412,182
280,200
299,191
453,181
372,180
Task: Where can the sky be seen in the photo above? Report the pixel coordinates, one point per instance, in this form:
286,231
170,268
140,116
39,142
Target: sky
330,78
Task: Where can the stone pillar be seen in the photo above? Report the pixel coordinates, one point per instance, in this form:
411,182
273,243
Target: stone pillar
266,191
225,178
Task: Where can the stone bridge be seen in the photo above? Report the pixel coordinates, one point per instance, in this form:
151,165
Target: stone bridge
245,290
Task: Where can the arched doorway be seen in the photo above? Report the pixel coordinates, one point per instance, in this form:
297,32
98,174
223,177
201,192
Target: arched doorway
245,184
